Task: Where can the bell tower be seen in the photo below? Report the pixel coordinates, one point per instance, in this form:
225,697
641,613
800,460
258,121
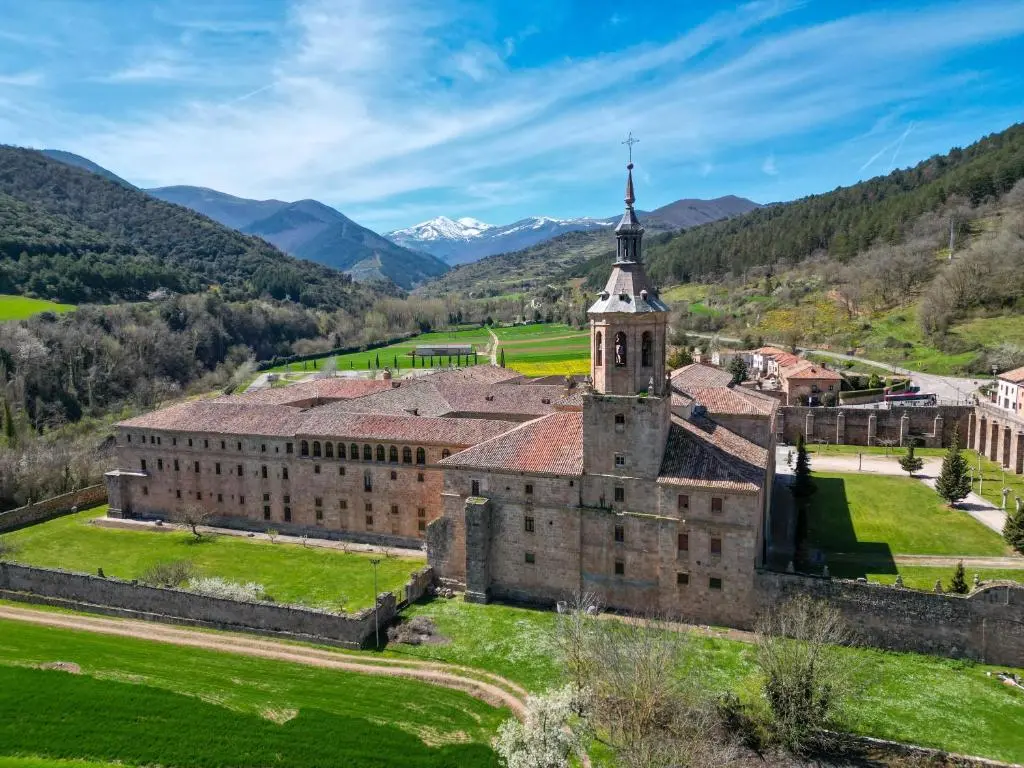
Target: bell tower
628,322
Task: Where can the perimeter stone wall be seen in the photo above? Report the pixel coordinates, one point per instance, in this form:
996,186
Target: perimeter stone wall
934,425
84,498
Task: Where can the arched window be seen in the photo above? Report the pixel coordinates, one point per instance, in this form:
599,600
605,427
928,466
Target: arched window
393,454
367,481
620,349
421,456
598,349
304,448
329,450
646,350
367,453
407,455
354,453
445,453
380,453
341,450
316,447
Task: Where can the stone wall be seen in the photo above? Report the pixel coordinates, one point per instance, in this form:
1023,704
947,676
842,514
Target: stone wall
999,434
866,426
114,596
84,498
986,625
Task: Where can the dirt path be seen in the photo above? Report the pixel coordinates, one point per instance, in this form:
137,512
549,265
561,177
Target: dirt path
541,340
485,686
495,343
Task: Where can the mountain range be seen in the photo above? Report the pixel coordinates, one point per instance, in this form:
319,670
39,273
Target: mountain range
464,240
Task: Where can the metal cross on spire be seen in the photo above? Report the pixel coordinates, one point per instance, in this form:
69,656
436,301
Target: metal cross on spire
630,141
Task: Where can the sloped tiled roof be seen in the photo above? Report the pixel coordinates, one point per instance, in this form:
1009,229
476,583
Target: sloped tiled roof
809,370
551,445
1016,376
333,421
222,417
786,360
726,400
700,452
769,351
696,375
628,290
335,388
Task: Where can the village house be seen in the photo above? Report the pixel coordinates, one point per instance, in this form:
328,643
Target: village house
805,381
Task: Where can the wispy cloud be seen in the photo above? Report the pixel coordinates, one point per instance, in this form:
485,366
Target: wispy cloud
769,167
22,79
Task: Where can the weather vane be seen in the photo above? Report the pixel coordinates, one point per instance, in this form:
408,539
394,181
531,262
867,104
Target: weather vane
630,141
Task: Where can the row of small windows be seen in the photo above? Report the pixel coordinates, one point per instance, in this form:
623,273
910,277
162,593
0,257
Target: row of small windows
264,472
156,440
682,577
327,450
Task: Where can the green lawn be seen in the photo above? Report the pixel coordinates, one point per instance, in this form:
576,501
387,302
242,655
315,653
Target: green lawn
141,703
872,450
924,577
20,307
545,349
859,521
926,700
290,573
399,352
995,479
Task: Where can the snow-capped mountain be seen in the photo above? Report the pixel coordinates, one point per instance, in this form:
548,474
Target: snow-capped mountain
458,241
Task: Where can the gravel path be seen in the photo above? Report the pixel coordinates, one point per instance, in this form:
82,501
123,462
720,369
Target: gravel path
485,686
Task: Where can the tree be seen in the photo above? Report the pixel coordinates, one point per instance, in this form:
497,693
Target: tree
551,734
738,369
911,463
1013,529
953,482
803,486
958,584
679,357
805,679
501,361
10,428
191,517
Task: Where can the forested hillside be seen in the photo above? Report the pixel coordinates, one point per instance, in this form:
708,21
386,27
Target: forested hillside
69,234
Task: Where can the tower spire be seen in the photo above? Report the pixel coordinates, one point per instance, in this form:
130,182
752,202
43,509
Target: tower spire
628,232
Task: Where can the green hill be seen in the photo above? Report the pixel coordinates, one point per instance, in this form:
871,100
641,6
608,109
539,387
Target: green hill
72,235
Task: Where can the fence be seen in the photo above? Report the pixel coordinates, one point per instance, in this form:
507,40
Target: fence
37,512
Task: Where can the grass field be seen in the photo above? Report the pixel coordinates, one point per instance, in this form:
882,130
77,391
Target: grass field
399,352
924,577
290,573
995,479
545,349
860,521
920,699
831,449
140,703
20,307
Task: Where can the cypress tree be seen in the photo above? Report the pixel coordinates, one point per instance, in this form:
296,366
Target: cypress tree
959,583
953,482
803,486
502,362
1013,529
911,463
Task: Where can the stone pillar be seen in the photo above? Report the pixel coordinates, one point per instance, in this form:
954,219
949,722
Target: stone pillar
1019,460
1007,438
937,426
982,435
872,428
904,428
972,427
993,448
478,549
840,428
809,426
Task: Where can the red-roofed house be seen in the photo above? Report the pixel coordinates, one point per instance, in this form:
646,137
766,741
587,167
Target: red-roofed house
806,381
1009,391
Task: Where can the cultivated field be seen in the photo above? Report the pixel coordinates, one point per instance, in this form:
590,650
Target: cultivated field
290,573
142,703
549,349
920,699
398,353
20,307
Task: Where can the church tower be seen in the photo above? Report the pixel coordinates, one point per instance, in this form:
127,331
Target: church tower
627,413
628,321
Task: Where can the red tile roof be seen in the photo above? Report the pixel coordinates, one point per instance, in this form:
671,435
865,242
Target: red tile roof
700,452
726,400
696,375
222,417
769,351
1016,376
550,445
335,388
808,370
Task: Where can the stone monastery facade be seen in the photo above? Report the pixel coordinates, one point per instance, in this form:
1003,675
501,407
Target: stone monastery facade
651,489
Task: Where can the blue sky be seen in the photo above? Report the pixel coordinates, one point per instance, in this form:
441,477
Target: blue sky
395,111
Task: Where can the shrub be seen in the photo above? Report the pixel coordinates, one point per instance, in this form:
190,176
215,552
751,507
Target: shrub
958,583
414,631
173,573
229,590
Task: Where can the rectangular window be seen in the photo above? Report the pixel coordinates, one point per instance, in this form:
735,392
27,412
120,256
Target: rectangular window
369,521
220,498
160,464
316,469
287,499
263,447
263,471
206,443
319,515
684,502
199,495
683,542
342,504
421,512
394,509
241,500
529,489
177,494
190,442
715,582
716,546
620,568
266,497
716,504
142,464
174,441
287,514
196,467
176,467
129,438
238,470
475,488
528,524
394,475
620,493
620,460
620,534
288,448
682,579
530,558
368,506
341,471
419,477
216,468
266,512
318,502
239,445
145,490
223,445
284,473
421,526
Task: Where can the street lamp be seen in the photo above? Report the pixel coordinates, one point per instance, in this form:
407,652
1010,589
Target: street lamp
375,562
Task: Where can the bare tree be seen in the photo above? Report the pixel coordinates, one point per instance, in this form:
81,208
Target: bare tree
192,516
805,678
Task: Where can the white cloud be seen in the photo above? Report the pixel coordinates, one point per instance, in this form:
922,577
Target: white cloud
22,79
768,166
